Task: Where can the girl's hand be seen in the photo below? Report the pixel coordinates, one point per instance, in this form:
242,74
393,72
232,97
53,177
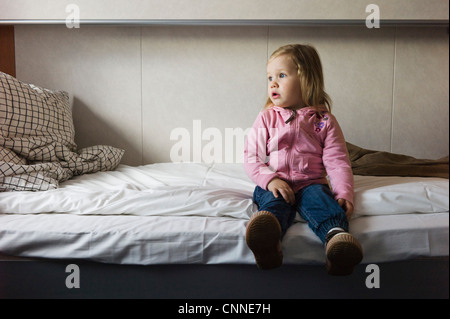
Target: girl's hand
347,206
278,186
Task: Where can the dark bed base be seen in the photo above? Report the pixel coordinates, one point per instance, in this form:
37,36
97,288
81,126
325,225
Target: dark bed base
419,278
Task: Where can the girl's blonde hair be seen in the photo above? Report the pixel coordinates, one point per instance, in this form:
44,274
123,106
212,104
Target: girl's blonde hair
309,69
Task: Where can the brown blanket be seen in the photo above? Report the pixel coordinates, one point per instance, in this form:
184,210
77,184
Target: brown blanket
378,163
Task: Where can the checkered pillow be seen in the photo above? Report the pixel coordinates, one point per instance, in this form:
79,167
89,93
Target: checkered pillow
36,128
35,123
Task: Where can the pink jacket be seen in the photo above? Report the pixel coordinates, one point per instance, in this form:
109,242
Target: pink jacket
301,147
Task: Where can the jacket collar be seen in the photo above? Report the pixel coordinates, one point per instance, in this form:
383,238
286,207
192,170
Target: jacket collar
305,111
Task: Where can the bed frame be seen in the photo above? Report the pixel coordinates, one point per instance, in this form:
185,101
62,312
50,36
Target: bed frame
44,278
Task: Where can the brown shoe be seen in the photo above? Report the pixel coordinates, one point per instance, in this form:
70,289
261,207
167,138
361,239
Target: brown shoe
343,253
263,237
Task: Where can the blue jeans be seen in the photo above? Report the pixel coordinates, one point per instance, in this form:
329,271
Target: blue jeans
315,204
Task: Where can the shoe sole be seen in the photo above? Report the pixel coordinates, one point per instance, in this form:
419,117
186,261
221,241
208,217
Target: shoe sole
343,253
263,237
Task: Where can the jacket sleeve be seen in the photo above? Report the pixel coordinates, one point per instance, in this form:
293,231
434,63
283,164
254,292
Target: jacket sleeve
256,154
336,161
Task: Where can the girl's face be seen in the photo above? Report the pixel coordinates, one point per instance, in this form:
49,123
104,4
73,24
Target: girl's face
284,83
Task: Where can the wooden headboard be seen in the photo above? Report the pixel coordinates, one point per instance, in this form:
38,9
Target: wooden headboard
7,52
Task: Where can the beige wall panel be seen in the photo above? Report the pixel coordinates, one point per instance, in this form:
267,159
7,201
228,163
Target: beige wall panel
358,71
100,69
213,75
132,87
421,99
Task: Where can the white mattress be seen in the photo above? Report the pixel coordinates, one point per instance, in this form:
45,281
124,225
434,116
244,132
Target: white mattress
197,213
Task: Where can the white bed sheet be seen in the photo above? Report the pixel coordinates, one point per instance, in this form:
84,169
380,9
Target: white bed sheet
190,189
197,213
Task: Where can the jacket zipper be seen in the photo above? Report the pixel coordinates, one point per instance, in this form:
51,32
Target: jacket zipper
290,161
291,117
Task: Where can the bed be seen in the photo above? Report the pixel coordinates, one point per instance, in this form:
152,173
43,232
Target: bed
194,214
177,230
170,213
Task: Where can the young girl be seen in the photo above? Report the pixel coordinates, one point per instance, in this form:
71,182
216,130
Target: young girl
294,145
